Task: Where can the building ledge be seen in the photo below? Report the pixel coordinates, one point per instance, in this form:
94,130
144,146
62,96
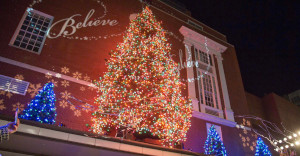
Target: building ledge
81,139
214,119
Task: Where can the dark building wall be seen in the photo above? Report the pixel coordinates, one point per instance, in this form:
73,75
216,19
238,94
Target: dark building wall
288,112
275,109
255,105
234,82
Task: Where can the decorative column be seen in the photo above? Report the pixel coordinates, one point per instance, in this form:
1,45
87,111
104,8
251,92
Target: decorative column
190,76
228,111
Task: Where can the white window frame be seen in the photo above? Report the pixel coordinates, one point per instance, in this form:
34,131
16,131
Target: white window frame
218,129
213,80
223,115
17,31
10,84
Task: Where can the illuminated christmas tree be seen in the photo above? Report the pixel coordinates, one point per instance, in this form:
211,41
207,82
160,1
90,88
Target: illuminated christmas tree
262,148
142,88
42,107
213,144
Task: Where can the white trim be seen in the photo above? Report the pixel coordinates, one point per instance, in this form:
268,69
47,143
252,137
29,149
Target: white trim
214,119
216,81
13,39
44,71
204,107
218,129
228,111
190,74
198,40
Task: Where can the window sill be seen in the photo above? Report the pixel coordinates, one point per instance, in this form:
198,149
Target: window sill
214,119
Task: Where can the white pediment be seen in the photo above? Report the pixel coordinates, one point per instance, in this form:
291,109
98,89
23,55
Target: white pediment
197,39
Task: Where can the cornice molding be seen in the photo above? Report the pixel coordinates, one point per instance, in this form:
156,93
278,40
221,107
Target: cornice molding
196,38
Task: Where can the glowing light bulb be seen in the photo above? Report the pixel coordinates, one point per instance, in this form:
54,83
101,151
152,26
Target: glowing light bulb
292,144
290,137
275,143
281,147
284,139
297,142
286,146
295,135
280,141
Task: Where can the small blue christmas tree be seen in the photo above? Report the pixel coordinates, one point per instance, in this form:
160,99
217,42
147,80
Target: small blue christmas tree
213,144
42,107
262,148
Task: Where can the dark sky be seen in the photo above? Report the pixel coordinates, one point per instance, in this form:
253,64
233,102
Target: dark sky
265,34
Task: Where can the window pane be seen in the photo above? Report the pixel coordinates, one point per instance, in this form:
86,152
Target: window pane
44,28
37,27
40,22
21,33
32,42
35,31
29,47
33,37
19,38
208,90
16,43
40,39
26,22
28,35
24,27
42,33
25,40
37,44
28,18
23,45
34,20
36,49
29,29
46,24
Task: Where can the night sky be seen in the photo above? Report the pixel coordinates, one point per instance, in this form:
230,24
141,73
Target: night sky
265,34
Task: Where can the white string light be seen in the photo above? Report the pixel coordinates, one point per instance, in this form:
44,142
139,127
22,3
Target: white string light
268,127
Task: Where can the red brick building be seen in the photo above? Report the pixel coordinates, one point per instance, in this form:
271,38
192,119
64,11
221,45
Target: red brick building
67,42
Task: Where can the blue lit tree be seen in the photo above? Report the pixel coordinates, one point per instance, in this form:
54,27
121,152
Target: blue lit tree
42,107
213,144
262,148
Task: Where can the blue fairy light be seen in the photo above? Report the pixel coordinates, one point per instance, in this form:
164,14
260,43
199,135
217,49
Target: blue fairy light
213,144
42,107
262,148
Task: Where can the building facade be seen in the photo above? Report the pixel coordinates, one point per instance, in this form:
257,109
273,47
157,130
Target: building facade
67,43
